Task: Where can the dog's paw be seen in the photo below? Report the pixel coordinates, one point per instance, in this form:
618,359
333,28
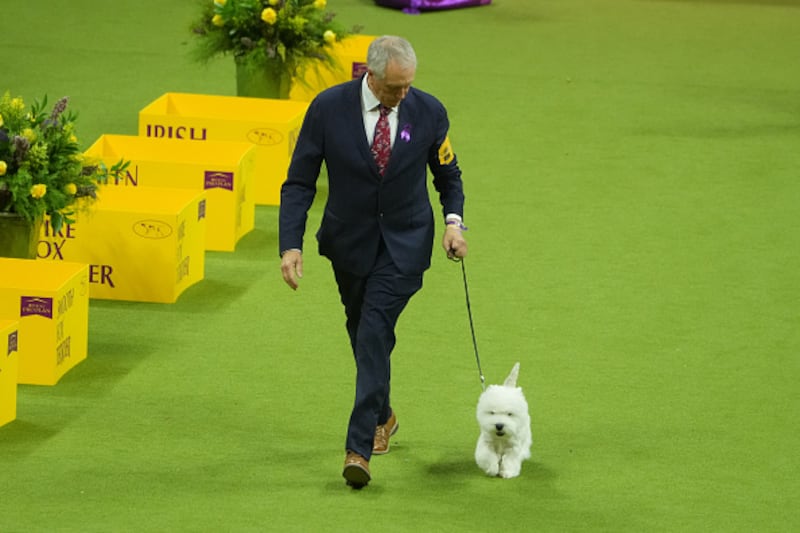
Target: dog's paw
490,468
487,460
510,469
492,471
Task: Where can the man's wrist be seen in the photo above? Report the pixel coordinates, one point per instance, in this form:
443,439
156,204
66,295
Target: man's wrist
291,250
455,224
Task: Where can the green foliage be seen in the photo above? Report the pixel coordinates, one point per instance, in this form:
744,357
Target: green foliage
288,36
42,170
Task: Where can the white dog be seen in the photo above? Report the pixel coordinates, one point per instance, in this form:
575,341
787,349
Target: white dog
505,439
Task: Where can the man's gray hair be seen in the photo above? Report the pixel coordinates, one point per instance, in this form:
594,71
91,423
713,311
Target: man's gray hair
386,48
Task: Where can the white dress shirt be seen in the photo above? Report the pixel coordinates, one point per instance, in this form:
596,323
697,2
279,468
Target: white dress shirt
371,113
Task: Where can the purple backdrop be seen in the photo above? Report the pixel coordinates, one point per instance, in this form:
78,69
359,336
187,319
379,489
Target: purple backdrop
415,6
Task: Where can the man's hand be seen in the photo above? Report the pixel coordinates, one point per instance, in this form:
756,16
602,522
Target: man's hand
292,267
454,243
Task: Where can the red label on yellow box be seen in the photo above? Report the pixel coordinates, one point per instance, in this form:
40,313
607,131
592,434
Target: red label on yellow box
351,63
50,299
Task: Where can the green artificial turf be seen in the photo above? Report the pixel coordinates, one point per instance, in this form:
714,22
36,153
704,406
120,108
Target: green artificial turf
632,177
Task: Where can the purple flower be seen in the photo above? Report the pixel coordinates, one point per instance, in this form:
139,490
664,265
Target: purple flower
21,147
405,134
58,109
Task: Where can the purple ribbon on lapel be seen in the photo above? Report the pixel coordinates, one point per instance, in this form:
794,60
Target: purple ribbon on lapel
405,133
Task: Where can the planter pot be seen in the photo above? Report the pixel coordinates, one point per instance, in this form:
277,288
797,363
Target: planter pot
18,237
262,81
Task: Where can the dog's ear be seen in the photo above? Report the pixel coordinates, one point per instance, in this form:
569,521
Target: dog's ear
511,380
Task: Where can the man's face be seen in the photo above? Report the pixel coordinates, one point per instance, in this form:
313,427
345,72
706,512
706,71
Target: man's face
391,90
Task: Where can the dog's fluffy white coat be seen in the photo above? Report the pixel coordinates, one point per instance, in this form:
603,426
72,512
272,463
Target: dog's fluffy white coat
505,437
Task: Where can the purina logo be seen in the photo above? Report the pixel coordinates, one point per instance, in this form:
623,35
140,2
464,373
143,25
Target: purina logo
12,342
218,180
359,69
33,305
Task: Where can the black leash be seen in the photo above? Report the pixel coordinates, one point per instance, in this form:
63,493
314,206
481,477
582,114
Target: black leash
472,326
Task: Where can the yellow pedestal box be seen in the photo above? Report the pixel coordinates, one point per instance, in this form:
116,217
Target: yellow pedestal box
271,125
143,244
351,56
224,169
9,362
50,299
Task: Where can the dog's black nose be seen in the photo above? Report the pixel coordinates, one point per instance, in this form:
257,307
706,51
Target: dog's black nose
499,427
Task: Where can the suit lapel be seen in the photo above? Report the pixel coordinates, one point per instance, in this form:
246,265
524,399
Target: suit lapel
355,123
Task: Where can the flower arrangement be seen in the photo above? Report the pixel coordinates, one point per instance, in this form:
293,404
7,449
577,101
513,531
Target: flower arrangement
42,170
286,36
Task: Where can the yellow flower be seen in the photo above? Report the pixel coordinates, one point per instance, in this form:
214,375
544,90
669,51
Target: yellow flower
38,190
269,16
320,4
3,167
274,2
73,139
217,20
70,189
29,134
219,3
1,120
329,37
17,104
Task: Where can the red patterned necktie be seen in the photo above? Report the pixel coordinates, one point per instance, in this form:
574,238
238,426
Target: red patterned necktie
382,141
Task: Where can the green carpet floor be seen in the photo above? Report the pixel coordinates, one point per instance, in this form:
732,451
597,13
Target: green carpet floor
632,171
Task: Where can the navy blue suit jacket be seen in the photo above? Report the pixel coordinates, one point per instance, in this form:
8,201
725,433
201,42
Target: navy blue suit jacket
362,206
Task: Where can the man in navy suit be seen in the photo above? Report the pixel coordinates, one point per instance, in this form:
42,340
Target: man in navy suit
377,136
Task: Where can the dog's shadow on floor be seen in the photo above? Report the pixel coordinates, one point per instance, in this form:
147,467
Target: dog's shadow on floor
464,470
452,469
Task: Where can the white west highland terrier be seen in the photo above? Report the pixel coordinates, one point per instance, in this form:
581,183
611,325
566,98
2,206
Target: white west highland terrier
505,439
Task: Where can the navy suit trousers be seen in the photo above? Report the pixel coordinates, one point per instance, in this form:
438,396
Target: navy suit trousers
372,305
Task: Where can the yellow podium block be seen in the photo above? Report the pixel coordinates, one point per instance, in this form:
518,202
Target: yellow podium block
50,299
143,244
271,125
351,57
224,169
9,363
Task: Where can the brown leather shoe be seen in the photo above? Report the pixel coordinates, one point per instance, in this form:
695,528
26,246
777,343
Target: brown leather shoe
380,445
356,470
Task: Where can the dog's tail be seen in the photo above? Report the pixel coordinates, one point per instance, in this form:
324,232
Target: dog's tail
511,380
